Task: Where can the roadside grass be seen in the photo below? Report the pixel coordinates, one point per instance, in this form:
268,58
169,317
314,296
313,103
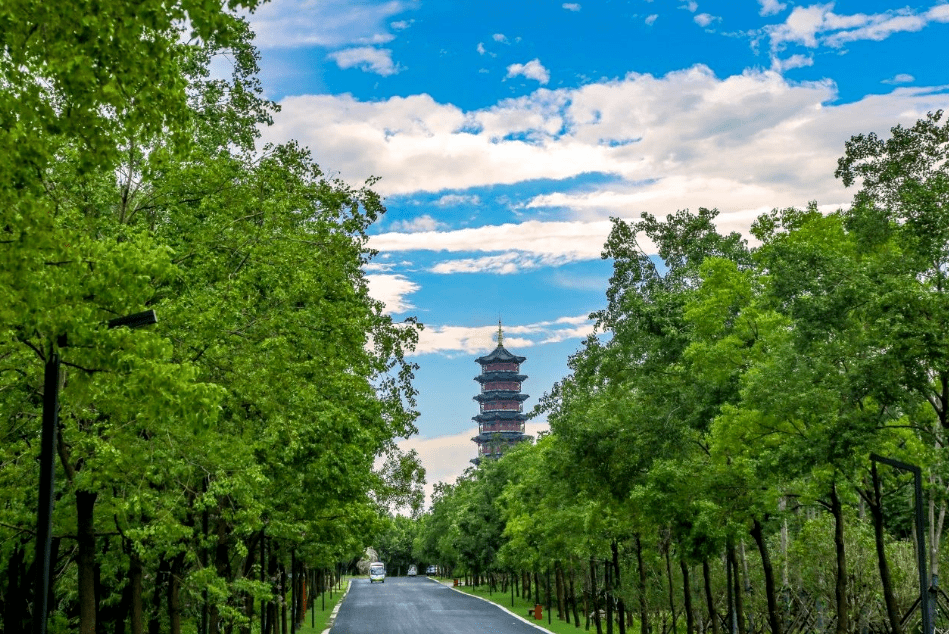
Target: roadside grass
521,608
324,609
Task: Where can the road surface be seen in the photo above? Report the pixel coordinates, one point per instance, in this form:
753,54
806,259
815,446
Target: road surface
418,605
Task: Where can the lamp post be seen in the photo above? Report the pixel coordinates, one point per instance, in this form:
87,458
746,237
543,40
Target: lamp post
44,513
927,620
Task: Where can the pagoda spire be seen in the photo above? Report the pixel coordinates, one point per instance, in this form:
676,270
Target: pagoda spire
500,334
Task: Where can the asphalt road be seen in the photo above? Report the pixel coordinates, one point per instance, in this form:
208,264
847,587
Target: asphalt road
418,605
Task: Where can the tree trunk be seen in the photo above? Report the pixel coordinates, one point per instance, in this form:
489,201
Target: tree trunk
135,597
119,612
709,598
272,618
174,594
283,599
730,593
558,581
782,506
573,598
263,578
292,584
596,597
840,588
643,610
301,604
875,502
736,590
161,579
936,526
587,599
86,560
687,598
672,603
16,599
247,569
608,595
617,584
774,618
205,519
220,568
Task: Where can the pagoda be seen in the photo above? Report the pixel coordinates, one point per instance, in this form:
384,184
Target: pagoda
501,420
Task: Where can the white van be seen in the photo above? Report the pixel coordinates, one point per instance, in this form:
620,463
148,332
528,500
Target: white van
377,572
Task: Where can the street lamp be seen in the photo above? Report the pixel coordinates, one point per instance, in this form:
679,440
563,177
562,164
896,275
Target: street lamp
44,513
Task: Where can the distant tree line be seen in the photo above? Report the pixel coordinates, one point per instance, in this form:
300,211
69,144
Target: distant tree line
708,463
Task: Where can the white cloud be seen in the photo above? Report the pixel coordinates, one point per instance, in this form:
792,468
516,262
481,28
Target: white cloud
771,7
571,6
794,61
704,19
817,24
747,141
878,30
500,37
378,267
571,280
651,19
378,38
451,200
366,58
419,224
690,6
900,78
401,25
445,458
329,23
805,23
481,49
481,339
391,290
576,320
939,13
547,242
532,70
502,264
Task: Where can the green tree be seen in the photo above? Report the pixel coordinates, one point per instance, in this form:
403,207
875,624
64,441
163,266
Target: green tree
188,449
900,213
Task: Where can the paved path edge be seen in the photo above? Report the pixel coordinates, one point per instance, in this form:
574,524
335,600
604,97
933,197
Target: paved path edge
516,616
336,609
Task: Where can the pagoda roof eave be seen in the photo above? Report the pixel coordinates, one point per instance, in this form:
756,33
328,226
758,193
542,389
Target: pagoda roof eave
500,375
498,435
500,354
489,397
507,415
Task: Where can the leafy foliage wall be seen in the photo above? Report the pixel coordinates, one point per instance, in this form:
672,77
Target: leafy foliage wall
708,463
202,457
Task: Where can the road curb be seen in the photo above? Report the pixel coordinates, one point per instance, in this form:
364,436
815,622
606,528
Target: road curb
498,605
336,609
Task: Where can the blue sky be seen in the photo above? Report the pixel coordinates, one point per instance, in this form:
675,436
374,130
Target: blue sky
506,134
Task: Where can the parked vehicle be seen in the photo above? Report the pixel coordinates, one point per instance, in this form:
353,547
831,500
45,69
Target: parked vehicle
431,570
377,572
412,570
